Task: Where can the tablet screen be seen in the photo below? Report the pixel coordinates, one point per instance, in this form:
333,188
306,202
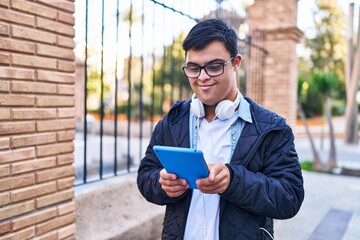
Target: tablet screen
186,163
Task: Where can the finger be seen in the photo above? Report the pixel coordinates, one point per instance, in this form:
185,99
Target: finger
214,171
167,176
175,191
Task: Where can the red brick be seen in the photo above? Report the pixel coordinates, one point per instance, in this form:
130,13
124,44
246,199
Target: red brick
5,114
66,231
4,58
65,183
17,73
4,142
66,18
33,139
66,66
53,51
28,233
66,112
66,208
55,223
49,236
16,127
4,199
16,45
16,17
4,170
5,3
53,149
16,155
66,89
54,101
34,62
57,77
32,165
4,86
60,4
53,26
56,198
65,159
33,113
16,100
66,135
33,34
35,218
35,9
5,227
33,87
66,42
33,191
16,209
49,125
4,29
17,182
55,173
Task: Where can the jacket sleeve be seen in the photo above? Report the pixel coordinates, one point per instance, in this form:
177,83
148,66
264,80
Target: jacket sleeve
150,167
274,187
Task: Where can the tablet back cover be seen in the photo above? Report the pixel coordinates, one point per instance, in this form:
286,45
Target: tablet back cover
186,163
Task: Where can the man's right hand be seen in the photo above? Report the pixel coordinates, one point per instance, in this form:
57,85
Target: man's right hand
173,186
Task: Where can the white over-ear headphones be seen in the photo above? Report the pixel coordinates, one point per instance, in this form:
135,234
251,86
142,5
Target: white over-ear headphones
224,110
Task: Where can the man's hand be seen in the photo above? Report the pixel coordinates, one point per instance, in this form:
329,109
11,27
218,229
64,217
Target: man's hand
173,186
218,180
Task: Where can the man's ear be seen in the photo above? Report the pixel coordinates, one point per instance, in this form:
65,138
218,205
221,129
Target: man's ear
237,62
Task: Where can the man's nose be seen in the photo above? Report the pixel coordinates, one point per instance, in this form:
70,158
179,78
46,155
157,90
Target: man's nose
203,75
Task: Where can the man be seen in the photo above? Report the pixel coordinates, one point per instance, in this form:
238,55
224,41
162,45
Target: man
254,169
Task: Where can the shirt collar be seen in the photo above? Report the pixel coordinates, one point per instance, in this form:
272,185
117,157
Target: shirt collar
244,109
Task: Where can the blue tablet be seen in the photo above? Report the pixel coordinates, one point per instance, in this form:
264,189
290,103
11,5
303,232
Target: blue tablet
186,163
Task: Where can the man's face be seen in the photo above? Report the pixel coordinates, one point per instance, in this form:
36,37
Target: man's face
212,90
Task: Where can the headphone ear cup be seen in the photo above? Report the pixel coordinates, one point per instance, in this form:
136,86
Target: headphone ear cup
225,109
197,108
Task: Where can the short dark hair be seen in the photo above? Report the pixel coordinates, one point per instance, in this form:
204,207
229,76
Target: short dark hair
209,30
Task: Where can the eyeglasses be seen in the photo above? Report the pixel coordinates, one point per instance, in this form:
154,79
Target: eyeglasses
212,69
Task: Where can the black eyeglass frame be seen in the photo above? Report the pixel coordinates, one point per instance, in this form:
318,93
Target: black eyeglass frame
204,67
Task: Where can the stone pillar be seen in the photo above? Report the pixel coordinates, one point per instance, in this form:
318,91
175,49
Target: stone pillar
277,21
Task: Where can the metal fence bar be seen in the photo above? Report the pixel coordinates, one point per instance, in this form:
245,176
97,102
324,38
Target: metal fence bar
141,107
102,90
129,88
115,170
85,90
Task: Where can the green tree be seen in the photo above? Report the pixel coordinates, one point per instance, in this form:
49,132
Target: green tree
326,83
328,47
303,86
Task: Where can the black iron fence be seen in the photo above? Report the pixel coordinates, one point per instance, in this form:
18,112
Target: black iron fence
131,56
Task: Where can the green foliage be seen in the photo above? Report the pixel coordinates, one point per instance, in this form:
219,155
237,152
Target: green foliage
322,75
94,84
329,45
306,165
309,96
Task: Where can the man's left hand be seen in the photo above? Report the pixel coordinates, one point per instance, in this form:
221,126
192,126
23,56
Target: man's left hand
218,180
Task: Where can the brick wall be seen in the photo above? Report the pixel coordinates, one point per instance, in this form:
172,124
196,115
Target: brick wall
37,119
277,20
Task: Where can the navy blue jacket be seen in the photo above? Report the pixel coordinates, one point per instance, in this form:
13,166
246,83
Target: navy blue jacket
266,180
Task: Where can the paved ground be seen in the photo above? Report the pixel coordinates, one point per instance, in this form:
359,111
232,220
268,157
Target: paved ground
330,211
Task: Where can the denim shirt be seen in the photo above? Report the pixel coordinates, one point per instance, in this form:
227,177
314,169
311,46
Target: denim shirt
236,128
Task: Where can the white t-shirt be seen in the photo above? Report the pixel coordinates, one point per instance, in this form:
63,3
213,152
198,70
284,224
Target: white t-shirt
214,140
